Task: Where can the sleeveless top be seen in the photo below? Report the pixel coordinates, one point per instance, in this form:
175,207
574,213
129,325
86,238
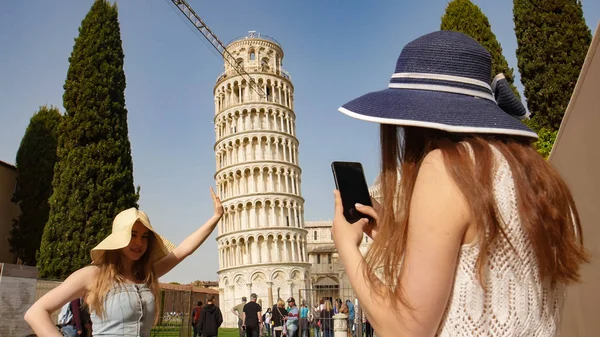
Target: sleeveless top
517,303
129,311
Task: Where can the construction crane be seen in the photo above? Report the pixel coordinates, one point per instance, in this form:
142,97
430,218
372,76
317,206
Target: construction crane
191,15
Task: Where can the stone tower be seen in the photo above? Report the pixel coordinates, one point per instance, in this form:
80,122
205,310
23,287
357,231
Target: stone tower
262,240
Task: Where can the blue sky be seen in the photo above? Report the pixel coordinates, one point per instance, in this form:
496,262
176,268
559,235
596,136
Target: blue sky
334,51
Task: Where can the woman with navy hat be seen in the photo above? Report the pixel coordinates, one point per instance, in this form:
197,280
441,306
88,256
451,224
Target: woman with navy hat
480,235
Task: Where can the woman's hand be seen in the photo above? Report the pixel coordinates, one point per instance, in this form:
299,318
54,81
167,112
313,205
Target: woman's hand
344,232
217,204
371,228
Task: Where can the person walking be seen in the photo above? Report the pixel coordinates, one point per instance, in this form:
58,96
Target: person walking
238,310
210,318
252,317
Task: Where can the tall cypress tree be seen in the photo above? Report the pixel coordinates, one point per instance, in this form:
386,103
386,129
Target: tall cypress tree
93,179
35,164
466,17
552,40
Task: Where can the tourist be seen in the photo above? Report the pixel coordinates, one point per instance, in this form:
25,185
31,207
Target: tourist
74,327
351,317
196,318
484,228
251,317
292,318
327,319
304,319
316,319
267,321
238,310
210,318
121,285
278,319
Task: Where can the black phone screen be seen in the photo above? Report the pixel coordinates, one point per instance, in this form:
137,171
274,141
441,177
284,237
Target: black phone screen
350,181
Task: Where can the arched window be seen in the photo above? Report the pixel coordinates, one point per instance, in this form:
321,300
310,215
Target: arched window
315,235
252,55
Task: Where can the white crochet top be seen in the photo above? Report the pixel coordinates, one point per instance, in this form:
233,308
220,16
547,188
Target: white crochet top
516,302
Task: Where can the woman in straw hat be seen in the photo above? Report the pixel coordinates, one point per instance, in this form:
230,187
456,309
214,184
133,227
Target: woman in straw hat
121,285
480,235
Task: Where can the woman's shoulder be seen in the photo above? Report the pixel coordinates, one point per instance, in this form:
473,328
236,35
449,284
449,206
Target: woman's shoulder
86,274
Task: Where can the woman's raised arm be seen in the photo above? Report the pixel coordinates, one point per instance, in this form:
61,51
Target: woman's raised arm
192,242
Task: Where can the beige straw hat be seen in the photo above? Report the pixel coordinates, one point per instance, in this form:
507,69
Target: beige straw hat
121,235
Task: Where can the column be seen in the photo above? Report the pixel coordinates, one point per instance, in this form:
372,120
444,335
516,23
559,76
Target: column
243,217
293,181
248,255
255,211
270,293
272,220
279,96
296,216
294,252
281,215
277,249
278,181
271,187
272,93
286,253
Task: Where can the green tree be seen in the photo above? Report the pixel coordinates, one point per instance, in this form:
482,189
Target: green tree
553,40
93,179
35,164
465,17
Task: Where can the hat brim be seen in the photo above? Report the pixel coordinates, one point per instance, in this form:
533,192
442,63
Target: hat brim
120,239
449,112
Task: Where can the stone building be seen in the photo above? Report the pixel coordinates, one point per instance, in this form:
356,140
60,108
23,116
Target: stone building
261,237
9,211
327,275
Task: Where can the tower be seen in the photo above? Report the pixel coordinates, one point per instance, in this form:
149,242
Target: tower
262,240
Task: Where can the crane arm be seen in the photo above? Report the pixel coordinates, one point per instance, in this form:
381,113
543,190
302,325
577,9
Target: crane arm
191,15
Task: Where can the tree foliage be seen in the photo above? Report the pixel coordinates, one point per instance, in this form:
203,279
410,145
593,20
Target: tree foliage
553,40
93,179
35,165
465,17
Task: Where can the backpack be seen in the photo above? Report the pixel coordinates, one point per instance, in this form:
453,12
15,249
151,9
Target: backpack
65,315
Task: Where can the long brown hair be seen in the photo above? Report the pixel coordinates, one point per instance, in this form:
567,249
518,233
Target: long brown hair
111,274
546,208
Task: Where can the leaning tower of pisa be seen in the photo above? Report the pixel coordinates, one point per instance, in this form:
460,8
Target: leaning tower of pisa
262,240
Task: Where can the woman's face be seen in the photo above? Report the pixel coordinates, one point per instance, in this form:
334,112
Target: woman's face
138,243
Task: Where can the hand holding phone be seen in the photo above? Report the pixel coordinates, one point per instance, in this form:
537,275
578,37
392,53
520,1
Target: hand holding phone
350,181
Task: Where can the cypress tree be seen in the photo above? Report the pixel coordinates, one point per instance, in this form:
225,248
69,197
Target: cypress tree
466,17
93,178
35,165
553,40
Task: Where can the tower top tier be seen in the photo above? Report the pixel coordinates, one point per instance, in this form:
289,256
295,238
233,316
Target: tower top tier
254,35
256,53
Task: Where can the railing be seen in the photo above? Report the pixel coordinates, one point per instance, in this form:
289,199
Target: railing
255,35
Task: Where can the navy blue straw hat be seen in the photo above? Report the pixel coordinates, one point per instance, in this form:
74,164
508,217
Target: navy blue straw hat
442,81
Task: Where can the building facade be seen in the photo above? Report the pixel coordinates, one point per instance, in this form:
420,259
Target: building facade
9,211
261,237
328,279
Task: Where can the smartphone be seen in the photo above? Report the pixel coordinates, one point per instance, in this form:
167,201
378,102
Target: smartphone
350,181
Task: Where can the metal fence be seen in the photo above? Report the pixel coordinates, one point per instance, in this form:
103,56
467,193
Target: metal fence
320,320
